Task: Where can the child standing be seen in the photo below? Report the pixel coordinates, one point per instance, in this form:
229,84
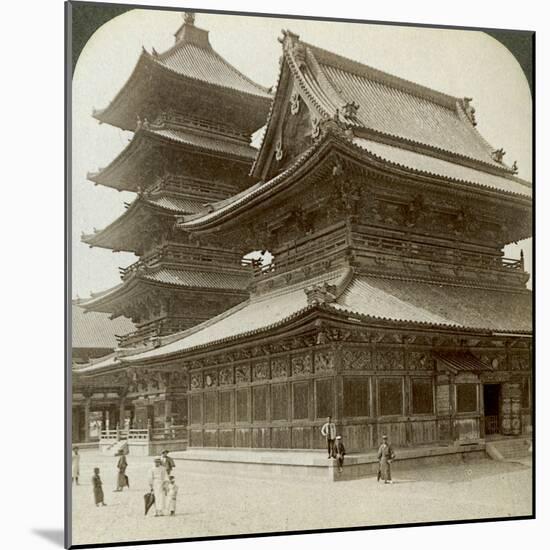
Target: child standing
98,489
172,496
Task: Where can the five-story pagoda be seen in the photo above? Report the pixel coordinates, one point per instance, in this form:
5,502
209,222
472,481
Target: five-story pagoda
192,115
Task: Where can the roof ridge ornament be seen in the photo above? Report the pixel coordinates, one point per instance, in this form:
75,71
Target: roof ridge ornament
469,110
498,155
188,18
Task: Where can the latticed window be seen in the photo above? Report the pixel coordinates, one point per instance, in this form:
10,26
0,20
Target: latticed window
226,410
422,396
390,396
324,401
196,415
210,407
242,405
279,402
300,401
466,398
259,402
356,397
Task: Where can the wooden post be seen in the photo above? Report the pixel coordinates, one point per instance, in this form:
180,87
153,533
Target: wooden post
87,404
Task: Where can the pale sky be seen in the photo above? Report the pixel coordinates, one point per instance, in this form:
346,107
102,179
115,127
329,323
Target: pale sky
460,63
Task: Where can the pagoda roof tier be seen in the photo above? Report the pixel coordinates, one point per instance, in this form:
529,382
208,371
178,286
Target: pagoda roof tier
93,330
144,158
192,76
194,282
376,105
362,298
370,154
129,231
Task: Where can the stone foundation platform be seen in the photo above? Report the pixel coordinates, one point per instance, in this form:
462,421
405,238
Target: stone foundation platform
314,465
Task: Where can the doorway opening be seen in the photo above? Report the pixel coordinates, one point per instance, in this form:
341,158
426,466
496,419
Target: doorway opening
491,400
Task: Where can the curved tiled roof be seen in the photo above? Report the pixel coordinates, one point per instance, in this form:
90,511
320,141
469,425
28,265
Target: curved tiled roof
367,298
182,278
429,165
203,63
113,235
97,330
116,173
393,157
393,106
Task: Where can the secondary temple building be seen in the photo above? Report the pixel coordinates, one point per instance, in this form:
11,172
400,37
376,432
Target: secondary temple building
387,304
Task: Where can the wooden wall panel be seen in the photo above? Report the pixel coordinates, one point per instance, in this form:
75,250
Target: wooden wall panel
358,437
225,438
261,438
423,431
210,438
301,437
280,438
196,438
467,428
242,437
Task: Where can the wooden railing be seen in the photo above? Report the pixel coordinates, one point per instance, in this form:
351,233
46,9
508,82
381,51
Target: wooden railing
145,434
491,425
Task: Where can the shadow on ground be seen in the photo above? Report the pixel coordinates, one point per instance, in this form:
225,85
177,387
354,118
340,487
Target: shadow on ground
55,536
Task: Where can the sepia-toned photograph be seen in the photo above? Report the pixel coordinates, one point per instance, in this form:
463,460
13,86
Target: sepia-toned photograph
300,274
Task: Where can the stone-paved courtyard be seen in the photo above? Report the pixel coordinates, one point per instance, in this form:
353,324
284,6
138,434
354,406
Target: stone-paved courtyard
211,505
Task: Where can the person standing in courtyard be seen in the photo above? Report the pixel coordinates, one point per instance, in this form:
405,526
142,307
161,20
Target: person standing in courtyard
329,431
167,462
122,478
385,457
97,485
340,451
75,465
157,482
172,496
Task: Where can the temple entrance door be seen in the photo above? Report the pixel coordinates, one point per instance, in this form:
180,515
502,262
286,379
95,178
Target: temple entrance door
491,400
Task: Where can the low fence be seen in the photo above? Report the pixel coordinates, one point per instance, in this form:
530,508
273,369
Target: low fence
145,434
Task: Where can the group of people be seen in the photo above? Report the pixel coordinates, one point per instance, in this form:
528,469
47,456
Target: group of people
162,483
336,449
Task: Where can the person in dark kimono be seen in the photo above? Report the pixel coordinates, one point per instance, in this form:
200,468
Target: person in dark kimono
122,478
167,462
97,485
385,457
340,451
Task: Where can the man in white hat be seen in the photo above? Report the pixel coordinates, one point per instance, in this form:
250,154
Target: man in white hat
158,479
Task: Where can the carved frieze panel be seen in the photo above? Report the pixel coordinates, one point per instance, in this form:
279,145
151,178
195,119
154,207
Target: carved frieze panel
279,367
210,379
324,361
242,374
226,376
260,370
302,364
419,360
519,362
494,359
357,359
388,359
178,379
196,381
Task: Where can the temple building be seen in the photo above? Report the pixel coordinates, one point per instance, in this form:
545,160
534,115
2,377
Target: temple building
388,303
94,336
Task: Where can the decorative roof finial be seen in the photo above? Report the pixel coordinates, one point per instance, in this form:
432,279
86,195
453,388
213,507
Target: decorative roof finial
498,155
515,167
189,17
